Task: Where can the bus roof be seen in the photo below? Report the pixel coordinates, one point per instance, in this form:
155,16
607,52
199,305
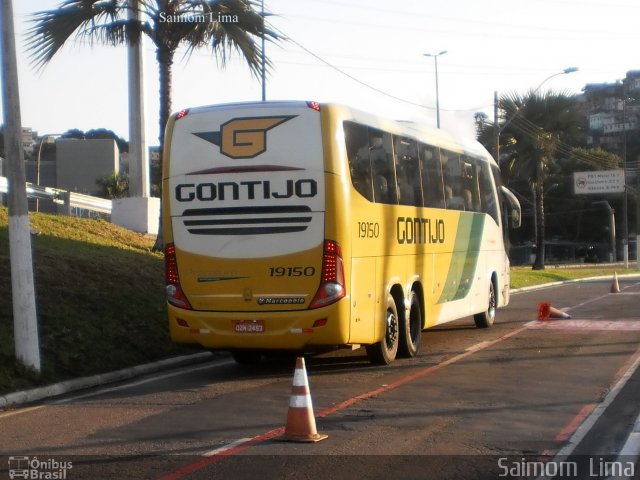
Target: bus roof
434,136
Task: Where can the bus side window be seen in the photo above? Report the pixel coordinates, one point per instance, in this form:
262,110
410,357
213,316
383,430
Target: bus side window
470,184
452,175
407,171
382,167
431,172
357,144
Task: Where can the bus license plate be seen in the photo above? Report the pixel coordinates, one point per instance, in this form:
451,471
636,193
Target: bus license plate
249,326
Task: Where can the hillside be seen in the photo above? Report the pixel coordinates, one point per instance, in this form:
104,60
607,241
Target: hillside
99,297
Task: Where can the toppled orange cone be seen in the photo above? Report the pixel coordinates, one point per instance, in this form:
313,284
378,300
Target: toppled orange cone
546,311
301,423
615,287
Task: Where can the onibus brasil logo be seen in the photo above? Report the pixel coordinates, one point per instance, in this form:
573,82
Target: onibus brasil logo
34,468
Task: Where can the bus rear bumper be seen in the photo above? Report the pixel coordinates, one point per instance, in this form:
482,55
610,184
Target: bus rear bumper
265,331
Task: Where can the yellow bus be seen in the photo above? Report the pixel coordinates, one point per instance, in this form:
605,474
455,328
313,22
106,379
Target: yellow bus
301,226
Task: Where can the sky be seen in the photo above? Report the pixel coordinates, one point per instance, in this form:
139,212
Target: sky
368,54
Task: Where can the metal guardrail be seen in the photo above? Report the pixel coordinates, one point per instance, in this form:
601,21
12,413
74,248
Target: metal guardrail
63,197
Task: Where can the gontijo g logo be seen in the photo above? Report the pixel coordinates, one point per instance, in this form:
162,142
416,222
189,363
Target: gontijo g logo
244,137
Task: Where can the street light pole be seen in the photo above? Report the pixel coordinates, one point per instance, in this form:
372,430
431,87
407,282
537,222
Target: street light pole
43,138
625,195
435,59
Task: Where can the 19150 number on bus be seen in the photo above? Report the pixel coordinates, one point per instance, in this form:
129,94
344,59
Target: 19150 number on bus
292,271
368,229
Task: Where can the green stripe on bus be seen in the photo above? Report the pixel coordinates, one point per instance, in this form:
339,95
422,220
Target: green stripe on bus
464,258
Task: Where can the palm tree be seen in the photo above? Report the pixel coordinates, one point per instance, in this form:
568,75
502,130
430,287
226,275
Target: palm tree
541,126
224,26
113,185
169,24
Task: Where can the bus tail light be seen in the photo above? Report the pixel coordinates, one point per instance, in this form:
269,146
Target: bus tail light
332,277
182,114
175,295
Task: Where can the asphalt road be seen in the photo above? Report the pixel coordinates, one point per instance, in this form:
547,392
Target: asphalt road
522,399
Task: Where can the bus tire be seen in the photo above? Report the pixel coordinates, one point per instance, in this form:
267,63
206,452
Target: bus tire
384,352
411,329
247,357
485,319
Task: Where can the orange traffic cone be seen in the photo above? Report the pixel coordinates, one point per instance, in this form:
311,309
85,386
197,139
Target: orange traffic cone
546,311
301,423
615,287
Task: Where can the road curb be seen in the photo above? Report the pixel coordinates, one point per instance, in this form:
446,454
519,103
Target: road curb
575,280
61,388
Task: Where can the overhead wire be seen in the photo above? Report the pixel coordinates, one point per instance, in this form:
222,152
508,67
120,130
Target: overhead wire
532,130
567,32
367,85
524,125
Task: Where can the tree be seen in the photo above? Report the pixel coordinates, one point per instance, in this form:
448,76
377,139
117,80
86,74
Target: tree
113,185
74,133
539,129
223,25
97,133
103,133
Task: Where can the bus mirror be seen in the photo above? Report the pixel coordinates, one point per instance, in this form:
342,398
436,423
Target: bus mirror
515,212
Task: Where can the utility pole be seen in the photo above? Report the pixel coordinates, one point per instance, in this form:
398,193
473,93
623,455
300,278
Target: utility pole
625,195
25,321
263,62
496,127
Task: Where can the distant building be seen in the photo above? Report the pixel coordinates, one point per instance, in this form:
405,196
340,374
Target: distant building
155,170
613,110
79,163
153,158
598,121
124,162
154,154
28,140
40,166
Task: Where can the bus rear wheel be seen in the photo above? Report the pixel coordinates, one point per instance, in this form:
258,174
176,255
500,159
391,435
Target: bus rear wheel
485,319
384,352
411,329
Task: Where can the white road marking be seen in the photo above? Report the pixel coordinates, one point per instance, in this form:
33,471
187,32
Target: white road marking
620,325
226,447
